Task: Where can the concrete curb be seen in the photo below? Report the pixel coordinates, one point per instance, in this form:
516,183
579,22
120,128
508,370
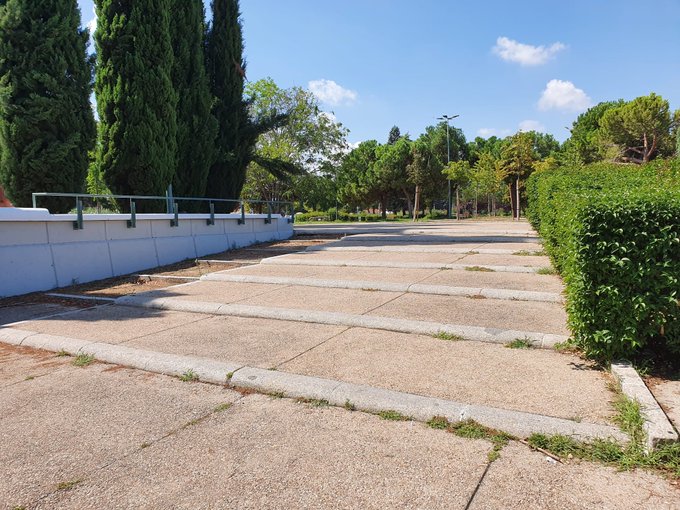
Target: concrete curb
337,393
359,247
657,425
282,261
415,288
475,333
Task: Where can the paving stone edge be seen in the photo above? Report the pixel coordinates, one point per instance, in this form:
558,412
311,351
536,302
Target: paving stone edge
657,425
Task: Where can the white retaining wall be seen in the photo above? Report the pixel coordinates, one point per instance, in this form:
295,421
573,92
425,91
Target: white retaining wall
40,251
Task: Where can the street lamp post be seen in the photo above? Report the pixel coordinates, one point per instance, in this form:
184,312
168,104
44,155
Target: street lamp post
448,118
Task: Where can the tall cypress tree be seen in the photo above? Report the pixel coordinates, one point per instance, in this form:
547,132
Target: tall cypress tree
196,126
46,121
226,69
136,101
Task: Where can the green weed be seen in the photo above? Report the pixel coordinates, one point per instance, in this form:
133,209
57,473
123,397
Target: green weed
521,343
393,416
82,360
546,270
443,335
481,269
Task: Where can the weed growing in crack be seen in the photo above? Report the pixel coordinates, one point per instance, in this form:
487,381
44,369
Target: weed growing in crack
82,360
189,376
520,343
443,335
394,416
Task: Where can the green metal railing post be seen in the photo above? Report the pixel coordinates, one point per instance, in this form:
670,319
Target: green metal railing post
242,219
211,220
268,219
132,222
175,221
78,224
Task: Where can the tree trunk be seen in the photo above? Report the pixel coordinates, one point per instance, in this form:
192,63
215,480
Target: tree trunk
383,208
518,204
409,203
417,203
457,203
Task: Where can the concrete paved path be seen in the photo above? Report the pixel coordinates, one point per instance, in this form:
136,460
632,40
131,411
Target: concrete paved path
104,436
375,326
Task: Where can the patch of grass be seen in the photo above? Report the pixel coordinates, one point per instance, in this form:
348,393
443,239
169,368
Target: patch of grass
521,343
29,378
349,405
193,422
477,296
546,270
82,360
481,269
272,369
189,376
229,376
222,407
472,252
277,394
443,335
62,354
144,445
567,346
314,402
369,289
394,416
664,459
67,486
470,429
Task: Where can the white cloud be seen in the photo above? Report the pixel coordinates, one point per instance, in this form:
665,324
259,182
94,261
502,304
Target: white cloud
327,91
532,125
489,132
563,95
525,54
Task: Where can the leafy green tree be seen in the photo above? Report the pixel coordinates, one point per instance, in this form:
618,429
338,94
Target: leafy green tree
460,175
136,100
46,121
356,178
311,140
391,166
488,177
585,144
196,126
641,128
518,158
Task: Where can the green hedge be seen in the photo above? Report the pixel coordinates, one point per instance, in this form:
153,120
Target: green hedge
312,216
613,232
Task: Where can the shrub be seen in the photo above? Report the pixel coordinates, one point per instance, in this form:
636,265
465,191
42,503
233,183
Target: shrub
613,232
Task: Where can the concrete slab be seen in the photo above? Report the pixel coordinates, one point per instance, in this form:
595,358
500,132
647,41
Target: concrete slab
321,255
329,300
25,312
439,258
667,394
352,245
66,425
490,313
18,364
340,273
112,323
485,259
536,381
527,480
268,453
498,280
255,342
217,291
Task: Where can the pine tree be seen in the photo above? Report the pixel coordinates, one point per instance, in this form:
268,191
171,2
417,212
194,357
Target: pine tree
395,134
46,121
136,101
196,126
226,69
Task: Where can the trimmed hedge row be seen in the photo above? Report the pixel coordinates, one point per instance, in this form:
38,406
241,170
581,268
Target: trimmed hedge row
613,232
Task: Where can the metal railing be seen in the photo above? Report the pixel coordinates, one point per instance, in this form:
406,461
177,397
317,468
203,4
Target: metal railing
172,206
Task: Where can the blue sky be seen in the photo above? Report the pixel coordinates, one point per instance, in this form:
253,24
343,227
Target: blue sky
500,65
